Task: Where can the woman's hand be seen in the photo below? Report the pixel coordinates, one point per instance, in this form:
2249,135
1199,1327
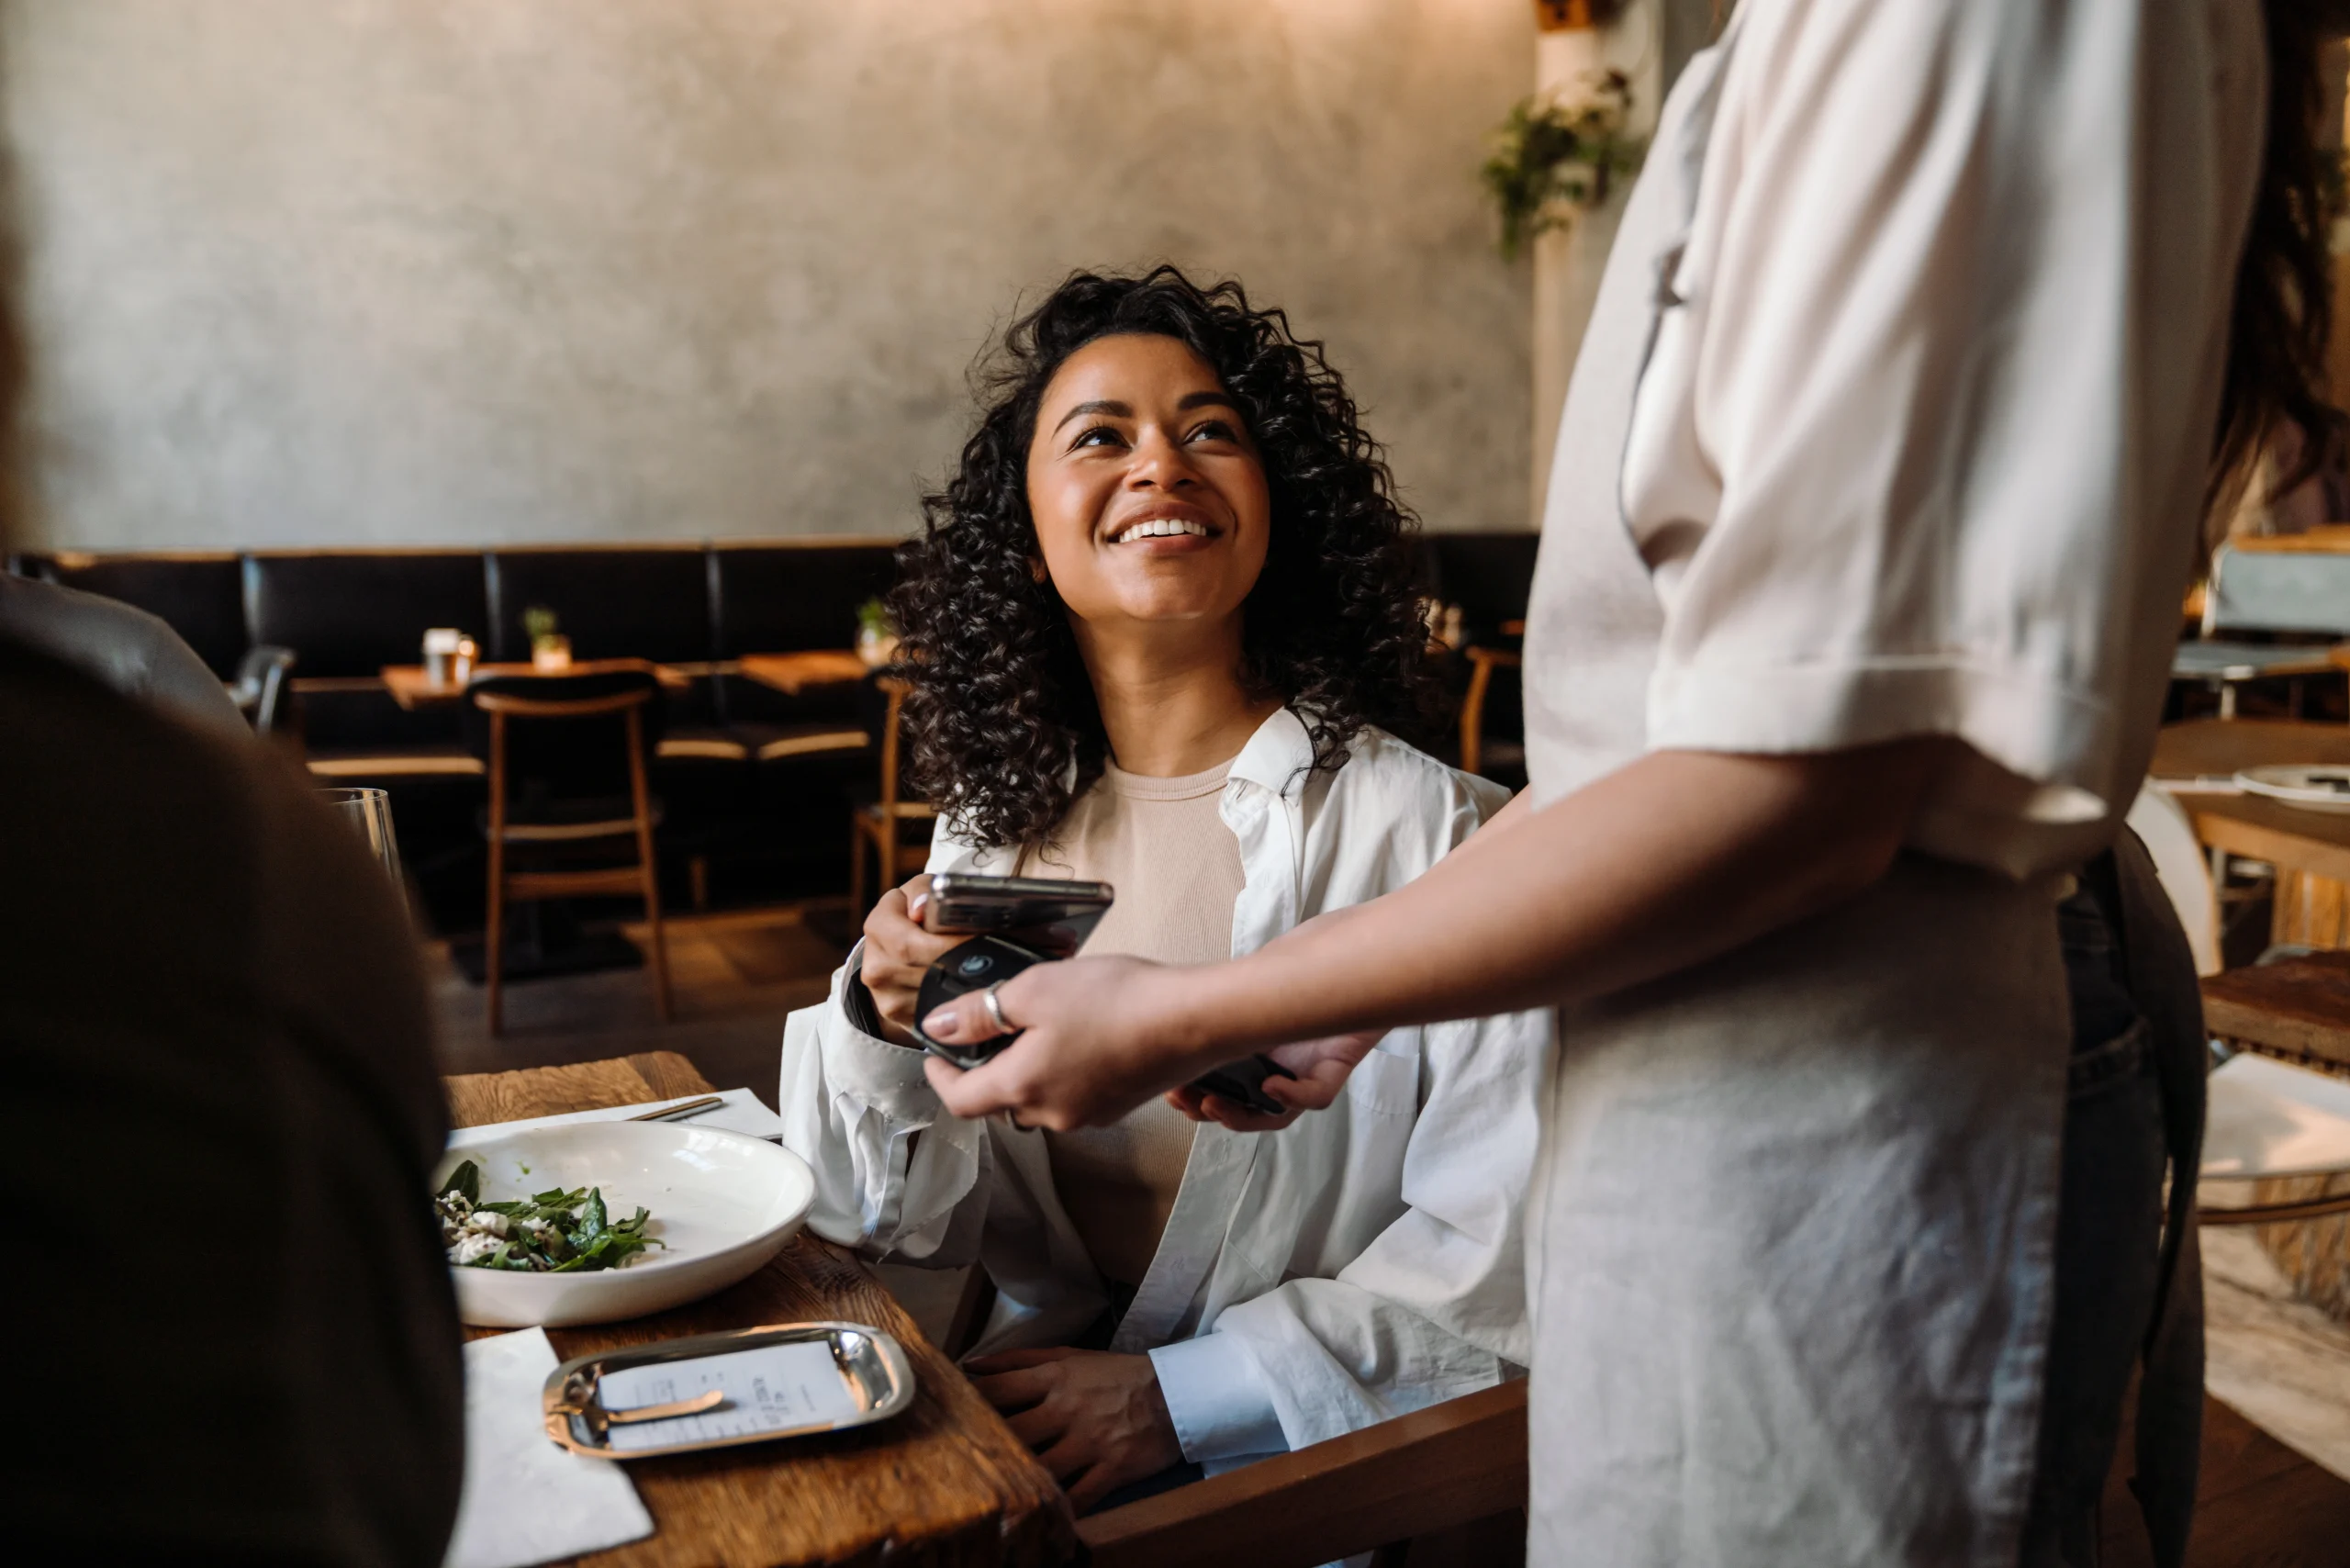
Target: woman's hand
897,952
1096,1420
1321,1067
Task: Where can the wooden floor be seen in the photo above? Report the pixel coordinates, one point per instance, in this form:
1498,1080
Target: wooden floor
737,975
2260,1506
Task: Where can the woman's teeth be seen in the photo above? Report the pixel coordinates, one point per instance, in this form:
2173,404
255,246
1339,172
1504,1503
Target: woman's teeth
1160,528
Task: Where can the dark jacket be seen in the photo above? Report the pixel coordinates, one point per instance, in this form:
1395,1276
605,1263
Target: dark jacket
234,1339
119,645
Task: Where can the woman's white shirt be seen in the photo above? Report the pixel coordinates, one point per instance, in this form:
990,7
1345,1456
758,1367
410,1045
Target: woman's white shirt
1361,1263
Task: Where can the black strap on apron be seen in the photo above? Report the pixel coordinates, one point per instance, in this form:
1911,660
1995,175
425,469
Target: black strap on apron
2160,968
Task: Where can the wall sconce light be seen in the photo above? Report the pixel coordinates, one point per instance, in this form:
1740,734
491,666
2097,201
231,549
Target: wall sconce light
1563,16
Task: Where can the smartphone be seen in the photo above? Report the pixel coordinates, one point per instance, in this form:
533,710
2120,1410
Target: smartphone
1051,915
1243,1083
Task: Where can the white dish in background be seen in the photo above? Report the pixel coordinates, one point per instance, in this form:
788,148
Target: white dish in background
2313,787
722,1205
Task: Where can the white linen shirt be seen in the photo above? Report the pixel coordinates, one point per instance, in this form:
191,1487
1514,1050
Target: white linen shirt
1896,409
1361,1263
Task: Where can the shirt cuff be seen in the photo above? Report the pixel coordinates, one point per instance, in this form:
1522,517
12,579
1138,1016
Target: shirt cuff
860,1063
1217,1398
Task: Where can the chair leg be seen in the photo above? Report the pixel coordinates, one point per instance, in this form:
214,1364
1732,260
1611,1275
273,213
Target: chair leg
698,873
494,938
493,944
648,865
661,997
857,867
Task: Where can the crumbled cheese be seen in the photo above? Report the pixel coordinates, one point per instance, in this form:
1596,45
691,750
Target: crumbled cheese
473,1244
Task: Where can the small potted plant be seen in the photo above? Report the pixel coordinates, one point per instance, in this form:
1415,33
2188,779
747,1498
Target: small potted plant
1558,153
877,634
549,650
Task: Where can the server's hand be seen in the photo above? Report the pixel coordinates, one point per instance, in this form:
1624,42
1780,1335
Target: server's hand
1098,1037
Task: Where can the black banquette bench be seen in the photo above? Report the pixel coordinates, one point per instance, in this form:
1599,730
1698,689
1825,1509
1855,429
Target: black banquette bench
753,779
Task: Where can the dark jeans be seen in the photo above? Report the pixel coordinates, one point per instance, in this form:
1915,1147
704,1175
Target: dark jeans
2109,1229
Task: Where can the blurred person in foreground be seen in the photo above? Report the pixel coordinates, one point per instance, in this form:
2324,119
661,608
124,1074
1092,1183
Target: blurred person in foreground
119,644
1160,630
1931,334
235,1341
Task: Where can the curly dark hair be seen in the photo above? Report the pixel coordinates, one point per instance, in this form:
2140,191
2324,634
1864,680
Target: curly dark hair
1004,730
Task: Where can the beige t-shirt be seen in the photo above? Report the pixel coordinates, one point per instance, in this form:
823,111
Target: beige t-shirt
1176,870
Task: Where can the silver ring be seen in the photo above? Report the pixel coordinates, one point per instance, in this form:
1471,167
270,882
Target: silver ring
995,1009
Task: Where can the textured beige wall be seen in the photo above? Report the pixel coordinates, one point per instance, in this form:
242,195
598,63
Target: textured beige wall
416,271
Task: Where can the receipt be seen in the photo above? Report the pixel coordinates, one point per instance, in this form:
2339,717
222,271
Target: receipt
775,1388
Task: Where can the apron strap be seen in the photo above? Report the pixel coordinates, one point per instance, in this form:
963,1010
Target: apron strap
2163,984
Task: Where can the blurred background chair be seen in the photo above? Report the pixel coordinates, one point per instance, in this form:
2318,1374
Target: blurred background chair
567,758
1501,757
2267,600
876,822
264,684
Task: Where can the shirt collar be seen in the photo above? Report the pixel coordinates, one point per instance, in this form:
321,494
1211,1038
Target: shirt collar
1278,755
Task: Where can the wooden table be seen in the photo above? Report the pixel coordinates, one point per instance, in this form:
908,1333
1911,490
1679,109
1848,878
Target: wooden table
411,689
2298,1007
2221,748
792,673
2292,838
946,1483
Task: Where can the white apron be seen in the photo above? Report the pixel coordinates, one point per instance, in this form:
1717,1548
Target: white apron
1792,1241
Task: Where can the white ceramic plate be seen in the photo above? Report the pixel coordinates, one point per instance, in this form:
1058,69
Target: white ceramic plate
722,1205
2314,787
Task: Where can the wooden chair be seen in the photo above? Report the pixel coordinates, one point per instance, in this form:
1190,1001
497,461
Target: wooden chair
2296,1010
877,822
1455,1469
540,700
1477,753
1434,1470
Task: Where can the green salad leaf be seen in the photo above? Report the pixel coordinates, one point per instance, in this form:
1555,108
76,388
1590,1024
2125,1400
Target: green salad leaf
556,1231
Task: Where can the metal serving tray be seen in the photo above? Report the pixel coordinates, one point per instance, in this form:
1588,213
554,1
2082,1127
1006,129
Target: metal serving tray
872,1365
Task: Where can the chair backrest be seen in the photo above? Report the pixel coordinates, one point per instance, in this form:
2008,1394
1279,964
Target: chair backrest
2279,589
262,685
644,602
2186,875
892,694
567,736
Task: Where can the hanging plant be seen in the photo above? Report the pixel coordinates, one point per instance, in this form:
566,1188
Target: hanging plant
1559,153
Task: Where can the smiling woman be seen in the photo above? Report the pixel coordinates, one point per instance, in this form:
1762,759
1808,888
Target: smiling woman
1198,463
1160,630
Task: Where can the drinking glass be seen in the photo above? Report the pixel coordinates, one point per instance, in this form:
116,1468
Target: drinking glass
369,814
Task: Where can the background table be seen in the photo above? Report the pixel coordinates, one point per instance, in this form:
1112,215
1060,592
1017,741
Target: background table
792,673
946,1482
2221,748
2311,850
411,688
